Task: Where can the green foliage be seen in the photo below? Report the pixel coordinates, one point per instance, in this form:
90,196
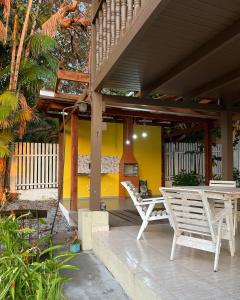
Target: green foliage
26,272
34,75
5,138
42,130
8,103
236,176
186,179
40,44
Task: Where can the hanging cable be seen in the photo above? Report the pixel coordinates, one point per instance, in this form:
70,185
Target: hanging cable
62,173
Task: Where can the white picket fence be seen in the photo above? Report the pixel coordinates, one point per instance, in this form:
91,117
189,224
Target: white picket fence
186,156
35,166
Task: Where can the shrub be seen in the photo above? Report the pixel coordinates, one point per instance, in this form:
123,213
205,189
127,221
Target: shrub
26,272
186,179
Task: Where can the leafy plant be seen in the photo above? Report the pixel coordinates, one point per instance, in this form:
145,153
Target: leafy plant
74,238
186,179
236,176
26,271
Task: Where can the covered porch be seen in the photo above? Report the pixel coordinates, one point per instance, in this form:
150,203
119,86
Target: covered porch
144,270
196,74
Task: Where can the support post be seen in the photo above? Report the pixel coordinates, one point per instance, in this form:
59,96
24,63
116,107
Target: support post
60,163
74,162
96,144
227,145
208,152
163,158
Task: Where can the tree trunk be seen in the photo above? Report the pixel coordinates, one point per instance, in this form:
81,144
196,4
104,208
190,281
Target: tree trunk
14,47
2,177
33,28
20,47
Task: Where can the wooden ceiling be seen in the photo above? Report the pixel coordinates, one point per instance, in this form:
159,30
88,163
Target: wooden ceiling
190,48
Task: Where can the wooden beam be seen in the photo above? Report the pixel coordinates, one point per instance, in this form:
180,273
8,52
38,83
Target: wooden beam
208,152
74,162
154,116
196,128
216,43
73,76
227,145
145,102
163,158
215,84
67,97
96,144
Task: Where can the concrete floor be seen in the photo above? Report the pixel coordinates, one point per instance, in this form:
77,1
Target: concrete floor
144,270
92,281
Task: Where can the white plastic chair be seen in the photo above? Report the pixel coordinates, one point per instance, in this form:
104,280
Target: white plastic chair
220,204
145,207
193,222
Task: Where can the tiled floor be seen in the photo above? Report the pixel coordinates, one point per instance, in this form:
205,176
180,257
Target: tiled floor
190,276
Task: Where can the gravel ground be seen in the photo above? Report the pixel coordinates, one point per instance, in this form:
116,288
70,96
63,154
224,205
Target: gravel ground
61,225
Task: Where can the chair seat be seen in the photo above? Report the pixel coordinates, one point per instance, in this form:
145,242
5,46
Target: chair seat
145,207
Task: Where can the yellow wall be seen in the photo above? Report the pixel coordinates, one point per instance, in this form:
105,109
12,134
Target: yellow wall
147,152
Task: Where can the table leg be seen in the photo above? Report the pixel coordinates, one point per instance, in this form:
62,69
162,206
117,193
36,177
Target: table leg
230,227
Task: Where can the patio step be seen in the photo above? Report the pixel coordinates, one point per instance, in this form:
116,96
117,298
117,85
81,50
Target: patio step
144,270
135,282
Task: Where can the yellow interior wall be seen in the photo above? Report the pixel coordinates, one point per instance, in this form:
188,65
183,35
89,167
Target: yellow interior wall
111,145
147,152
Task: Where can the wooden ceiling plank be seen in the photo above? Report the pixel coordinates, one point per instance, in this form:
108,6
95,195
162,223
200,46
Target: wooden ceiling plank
215,84
160,103
201,53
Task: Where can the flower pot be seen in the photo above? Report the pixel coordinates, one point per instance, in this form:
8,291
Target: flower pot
75,248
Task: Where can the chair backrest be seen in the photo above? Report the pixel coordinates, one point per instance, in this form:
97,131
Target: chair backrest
132,191
189,211
222,183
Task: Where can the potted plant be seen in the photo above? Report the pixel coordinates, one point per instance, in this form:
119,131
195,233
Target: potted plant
74,243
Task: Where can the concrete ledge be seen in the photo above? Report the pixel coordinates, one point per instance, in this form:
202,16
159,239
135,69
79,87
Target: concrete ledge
38,194
134,282
90,222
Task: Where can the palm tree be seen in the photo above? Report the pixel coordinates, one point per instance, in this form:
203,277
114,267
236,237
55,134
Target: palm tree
28,66
27,42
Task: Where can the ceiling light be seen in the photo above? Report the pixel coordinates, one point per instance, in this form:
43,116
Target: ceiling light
135,136
128,142
144,134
